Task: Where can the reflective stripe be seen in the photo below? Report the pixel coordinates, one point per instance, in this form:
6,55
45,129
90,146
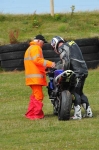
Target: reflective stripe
78,60
45,61
31,58
34,75
27,58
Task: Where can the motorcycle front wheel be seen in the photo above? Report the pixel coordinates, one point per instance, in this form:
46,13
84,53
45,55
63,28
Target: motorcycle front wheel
65,105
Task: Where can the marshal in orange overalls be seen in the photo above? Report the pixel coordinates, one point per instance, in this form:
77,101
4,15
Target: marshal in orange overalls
35,76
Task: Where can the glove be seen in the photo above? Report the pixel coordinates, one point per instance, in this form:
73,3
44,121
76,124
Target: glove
53,65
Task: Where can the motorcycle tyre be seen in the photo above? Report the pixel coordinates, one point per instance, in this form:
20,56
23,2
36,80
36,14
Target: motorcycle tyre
65,105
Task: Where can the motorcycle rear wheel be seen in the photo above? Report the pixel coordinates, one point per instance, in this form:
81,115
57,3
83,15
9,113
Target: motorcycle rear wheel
65,105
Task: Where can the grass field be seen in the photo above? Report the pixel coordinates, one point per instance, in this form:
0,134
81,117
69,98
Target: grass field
76,26
19,133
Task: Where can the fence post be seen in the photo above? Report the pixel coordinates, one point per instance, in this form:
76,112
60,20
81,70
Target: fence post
52,7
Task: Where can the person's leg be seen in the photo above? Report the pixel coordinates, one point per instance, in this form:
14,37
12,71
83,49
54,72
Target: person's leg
37,92
77,108
77,101
35,106
86,106
85,102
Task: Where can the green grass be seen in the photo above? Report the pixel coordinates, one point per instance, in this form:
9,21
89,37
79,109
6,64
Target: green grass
19,133
65,25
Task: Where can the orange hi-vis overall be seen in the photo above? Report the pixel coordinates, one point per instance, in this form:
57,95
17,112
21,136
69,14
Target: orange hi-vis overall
35,77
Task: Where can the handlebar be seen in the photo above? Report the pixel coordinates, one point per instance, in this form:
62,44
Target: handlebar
50,69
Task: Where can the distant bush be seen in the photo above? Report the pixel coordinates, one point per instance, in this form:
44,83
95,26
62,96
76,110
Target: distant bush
36,23
57,17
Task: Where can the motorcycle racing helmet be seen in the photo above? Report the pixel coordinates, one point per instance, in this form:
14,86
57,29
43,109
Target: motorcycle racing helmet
55,41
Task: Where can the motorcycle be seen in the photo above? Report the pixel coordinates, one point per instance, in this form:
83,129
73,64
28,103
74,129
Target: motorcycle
60,90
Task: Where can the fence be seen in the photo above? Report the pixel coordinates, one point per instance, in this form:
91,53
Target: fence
12,55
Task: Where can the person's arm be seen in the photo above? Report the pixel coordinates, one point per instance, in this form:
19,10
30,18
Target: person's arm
39,60
64,56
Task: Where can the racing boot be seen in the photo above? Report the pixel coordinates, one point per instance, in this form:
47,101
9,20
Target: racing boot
88,111
77,113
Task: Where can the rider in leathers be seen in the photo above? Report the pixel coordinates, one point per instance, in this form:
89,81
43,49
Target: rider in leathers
72,58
